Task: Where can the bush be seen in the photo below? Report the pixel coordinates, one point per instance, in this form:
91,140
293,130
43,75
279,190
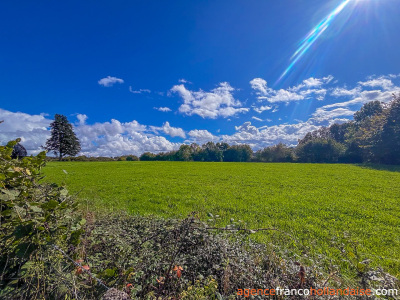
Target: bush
34,218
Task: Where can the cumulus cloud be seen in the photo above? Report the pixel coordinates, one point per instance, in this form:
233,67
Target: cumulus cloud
110,81
201,136
219,102
323,114
264,136
32,129
164,109
81,118
100,139
343,92
269,135
364,97
262,108
140,91
173,131
260,86
282,96
382,82
311,87
313,82
120,138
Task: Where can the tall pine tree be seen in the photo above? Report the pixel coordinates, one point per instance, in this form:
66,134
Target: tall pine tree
63,140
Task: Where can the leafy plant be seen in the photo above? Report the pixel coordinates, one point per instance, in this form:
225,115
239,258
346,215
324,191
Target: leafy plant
33,218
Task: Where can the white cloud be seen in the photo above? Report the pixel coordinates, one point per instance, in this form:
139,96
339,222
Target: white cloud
201,135
82,118
322,114
343,92
32,129
100,139
282,96
141,91
269,135
110,81
257,119
313,83
383,82
364,97
182,80
289,134
164,109
219,102
311,87
319,94
262,108
116,138
260,86
173,131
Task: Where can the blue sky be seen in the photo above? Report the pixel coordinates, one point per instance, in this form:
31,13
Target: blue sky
135,76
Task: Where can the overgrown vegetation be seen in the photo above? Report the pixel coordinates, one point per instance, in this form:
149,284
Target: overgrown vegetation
186,259
34,217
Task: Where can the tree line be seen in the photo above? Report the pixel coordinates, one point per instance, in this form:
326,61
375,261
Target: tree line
373,136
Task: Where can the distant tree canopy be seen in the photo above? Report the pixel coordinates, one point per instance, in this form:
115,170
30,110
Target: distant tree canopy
373,136
63,140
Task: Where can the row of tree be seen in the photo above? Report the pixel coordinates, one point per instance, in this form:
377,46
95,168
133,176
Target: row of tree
373,136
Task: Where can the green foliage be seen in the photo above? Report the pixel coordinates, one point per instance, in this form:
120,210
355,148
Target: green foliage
240,153
147,156
320,151
33,218
277,153
389,143
127,158
63,140
369,110
202,290
313,202
373,136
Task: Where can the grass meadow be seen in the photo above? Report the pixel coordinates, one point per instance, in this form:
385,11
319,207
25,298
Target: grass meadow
331,210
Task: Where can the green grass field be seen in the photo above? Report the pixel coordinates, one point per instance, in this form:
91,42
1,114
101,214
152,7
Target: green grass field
318,204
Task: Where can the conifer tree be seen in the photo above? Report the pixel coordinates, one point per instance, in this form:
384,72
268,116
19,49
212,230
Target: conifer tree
63,140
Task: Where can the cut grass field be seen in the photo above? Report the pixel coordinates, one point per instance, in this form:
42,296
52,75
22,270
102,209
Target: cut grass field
325,207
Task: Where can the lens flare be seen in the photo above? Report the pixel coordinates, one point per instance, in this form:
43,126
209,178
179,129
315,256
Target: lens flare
312,36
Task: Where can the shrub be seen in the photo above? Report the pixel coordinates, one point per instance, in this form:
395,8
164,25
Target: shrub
34,217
